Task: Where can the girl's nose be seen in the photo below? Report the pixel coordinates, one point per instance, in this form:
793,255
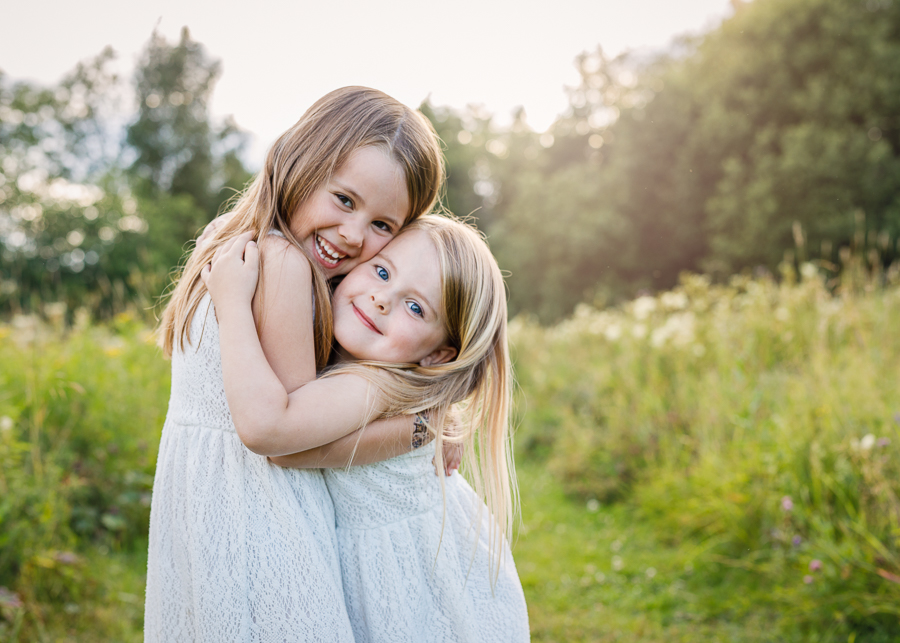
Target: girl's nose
354,232
381,302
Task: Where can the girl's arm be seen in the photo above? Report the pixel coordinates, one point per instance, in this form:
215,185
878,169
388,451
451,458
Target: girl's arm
377,441
267,419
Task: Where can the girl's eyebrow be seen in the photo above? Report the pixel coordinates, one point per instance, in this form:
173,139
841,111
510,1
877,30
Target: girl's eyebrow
422,298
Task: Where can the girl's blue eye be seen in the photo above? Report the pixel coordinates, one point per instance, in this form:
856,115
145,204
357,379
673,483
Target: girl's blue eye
345,200
415,308
382,273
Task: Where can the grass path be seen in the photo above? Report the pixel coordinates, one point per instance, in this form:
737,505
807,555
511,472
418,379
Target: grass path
594,573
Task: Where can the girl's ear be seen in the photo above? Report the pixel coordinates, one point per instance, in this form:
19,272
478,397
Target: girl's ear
440,356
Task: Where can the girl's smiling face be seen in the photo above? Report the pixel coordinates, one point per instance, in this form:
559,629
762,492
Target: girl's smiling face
355,213
389,309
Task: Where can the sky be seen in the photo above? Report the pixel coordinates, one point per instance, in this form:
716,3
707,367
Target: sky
279,56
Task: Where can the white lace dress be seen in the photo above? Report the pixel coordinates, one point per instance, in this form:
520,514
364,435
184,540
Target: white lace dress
240,550
403,581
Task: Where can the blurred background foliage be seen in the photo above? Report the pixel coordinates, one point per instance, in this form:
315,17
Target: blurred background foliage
95,212
702,257
703,157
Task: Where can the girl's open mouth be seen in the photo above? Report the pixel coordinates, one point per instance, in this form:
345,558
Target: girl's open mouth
329,255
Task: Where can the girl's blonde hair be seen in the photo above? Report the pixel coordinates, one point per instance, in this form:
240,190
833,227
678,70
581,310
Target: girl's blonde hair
478,380
301,161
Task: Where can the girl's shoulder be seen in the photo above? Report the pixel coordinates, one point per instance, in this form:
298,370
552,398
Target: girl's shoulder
280,254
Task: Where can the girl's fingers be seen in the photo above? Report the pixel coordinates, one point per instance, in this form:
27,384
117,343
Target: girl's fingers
233,247
251,252
204,274
239,243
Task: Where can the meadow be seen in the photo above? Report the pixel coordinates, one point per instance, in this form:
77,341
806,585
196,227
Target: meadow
716,462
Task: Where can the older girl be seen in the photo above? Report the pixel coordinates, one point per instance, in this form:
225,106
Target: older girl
241,550
420,327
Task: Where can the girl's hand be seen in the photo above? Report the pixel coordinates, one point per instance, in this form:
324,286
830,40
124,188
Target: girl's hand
211,229
452,457
232,276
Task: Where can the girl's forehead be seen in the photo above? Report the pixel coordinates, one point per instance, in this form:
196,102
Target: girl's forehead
409,241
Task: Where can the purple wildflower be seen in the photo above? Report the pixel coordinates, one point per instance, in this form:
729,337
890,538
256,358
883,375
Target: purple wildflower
815,565
796,540
9,598
787,504
883,442
67,558
807,579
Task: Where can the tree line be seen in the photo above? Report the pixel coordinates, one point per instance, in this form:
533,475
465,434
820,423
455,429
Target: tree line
775,132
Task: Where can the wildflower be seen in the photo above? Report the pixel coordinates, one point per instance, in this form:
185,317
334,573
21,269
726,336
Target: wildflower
796,540
815,565
55,310
674,300
593,505
883,442
9,598
867,442
643,306
617,563
6,423
807,579
787,504
651,572
613,332
67,558
808,270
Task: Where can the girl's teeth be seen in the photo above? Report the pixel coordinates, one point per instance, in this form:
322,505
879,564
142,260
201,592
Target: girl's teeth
329,256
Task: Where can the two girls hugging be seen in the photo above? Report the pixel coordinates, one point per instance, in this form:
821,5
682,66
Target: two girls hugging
260,528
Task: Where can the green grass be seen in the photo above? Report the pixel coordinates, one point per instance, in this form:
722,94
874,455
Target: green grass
717,463
599,573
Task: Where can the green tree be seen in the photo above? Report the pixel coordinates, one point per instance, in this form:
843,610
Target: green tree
184,165
706,156
89,220
57,211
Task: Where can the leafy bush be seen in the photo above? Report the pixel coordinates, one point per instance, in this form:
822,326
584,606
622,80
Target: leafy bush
81,409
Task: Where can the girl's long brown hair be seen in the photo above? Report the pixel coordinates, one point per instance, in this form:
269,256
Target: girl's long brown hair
301,161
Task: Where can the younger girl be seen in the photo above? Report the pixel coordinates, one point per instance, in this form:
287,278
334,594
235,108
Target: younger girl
420,327
241,550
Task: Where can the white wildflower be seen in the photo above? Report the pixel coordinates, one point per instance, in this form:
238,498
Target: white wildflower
643,306
674,300
613,332
808,270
